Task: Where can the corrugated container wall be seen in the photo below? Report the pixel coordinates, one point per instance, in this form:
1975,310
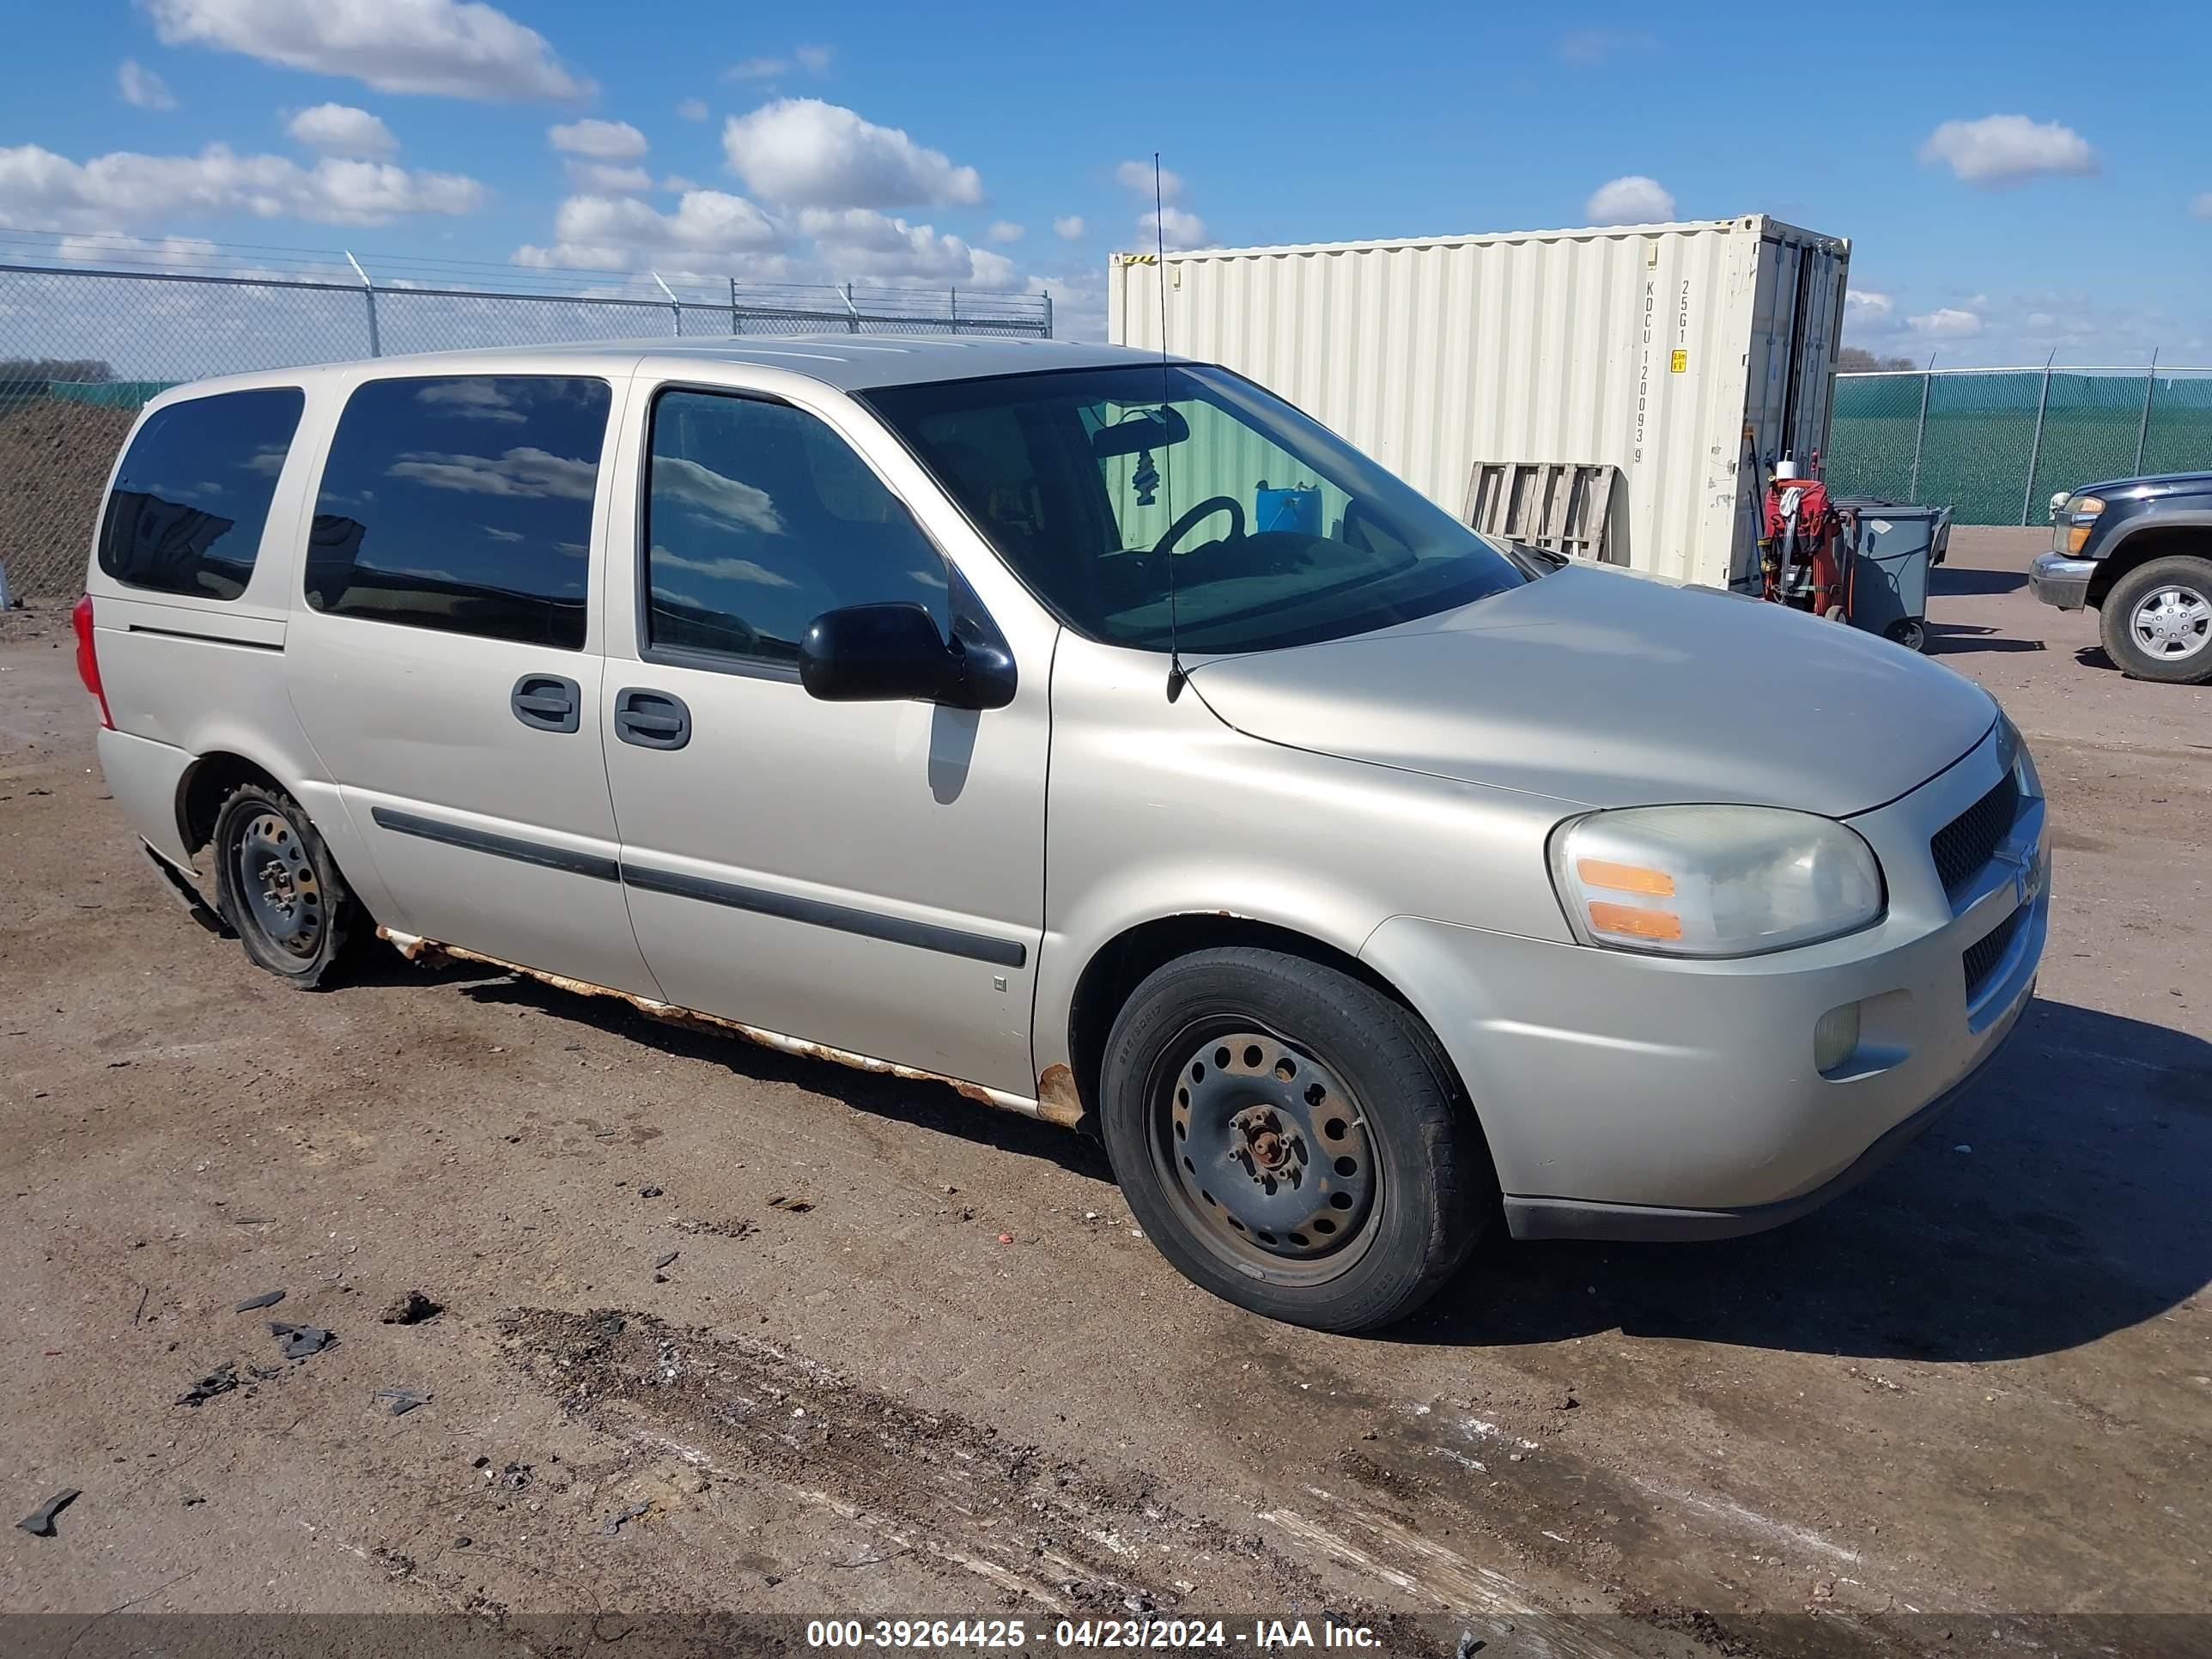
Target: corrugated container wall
1645,349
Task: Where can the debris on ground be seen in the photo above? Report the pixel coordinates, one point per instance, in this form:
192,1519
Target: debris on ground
615,1521
717,1229
39,1523
222,1380
648,1191
411,1309
254,1304
300,1340
1006,1238
404,1400
791,1206
666,1260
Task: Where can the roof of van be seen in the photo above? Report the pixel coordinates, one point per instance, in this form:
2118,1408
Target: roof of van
848,361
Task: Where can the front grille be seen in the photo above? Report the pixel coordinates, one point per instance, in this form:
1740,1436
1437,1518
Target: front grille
1963,845
1981,958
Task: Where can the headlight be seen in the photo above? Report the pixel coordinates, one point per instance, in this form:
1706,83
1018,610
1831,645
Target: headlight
2013,756
1713,881
2079,516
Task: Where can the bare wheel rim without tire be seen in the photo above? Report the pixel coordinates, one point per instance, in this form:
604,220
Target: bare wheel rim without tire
1265,1153
2172,622
276,878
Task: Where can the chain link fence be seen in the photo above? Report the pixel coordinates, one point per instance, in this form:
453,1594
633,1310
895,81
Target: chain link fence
1995,445
81,350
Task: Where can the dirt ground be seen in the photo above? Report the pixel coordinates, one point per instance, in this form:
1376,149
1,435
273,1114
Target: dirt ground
726,1331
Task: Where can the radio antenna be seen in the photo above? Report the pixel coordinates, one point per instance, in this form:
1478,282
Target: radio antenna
1175,674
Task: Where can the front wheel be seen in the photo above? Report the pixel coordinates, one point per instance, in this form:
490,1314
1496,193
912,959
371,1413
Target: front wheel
2157,620
1292,1139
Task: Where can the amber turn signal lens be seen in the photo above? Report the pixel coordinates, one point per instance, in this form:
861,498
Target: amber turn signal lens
1625,877
1631,922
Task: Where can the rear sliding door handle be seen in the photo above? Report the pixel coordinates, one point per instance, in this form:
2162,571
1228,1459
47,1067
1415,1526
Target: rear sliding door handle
546,703
652,719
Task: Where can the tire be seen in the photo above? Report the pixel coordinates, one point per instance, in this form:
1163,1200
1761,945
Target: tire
1908,632
2157,620
1328,1174
277,886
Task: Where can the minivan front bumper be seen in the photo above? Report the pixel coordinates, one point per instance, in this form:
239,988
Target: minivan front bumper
1633,1097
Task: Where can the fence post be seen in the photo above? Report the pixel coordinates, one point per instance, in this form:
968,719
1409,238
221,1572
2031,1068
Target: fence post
2143,427
735,329
2035,444
369,288
853,322
1920,432
675,306
953,310
1047,298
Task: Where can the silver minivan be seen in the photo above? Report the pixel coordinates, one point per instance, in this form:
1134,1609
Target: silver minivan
1096,733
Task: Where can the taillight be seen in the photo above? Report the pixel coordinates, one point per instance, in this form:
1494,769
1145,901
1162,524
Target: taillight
87,658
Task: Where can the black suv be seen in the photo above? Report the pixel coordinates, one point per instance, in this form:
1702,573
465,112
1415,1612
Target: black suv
2139,551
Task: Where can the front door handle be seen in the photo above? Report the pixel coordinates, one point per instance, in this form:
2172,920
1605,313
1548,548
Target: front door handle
546,703
652,719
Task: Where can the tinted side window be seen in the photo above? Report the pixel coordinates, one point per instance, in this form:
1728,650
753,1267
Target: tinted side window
758,519
462,503
193,494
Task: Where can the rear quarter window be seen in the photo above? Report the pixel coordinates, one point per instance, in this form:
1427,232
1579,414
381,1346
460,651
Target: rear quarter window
191,497
462,503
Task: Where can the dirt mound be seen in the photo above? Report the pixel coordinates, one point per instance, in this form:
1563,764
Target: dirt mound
55,455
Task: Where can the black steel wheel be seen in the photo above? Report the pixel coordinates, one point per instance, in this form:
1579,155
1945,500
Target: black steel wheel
277,887
1291,1138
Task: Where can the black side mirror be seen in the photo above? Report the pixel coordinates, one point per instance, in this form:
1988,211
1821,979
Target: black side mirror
890,653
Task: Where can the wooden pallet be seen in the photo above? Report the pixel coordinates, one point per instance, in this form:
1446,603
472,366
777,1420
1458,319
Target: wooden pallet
1560,506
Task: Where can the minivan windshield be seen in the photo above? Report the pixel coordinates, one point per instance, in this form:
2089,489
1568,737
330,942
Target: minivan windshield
1112,491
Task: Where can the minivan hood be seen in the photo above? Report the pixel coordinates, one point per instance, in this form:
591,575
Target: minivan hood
1610,690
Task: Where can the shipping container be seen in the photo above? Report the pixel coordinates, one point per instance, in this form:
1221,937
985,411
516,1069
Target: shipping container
1590,390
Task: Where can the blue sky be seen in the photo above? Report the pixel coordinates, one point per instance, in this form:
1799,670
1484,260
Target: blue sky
2013,184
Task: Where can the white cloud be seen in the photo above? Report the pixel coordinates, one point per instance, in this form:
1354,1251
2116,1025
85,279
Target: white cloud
2041,319
170,251
1632,199
461,48
691,109
1948,320
141,85
1175,226
2202,207
1005,230
1138,176
521,472
342,130
808,152
710,491
677,184
1999,151
1864,304
862,242
602,141
39,188
606,232
1595,46
599,178
815,60
1068,228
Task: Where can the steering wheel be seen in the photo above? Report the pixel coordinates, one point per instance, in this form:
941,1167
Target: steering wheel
1228,504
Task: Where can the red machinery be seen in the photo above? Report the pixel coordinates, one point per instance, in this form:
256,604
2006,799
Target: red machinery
1798,560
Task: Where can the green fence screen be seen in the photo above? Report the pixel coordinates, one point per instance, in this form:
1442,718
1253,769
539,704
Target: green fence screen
1995,445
